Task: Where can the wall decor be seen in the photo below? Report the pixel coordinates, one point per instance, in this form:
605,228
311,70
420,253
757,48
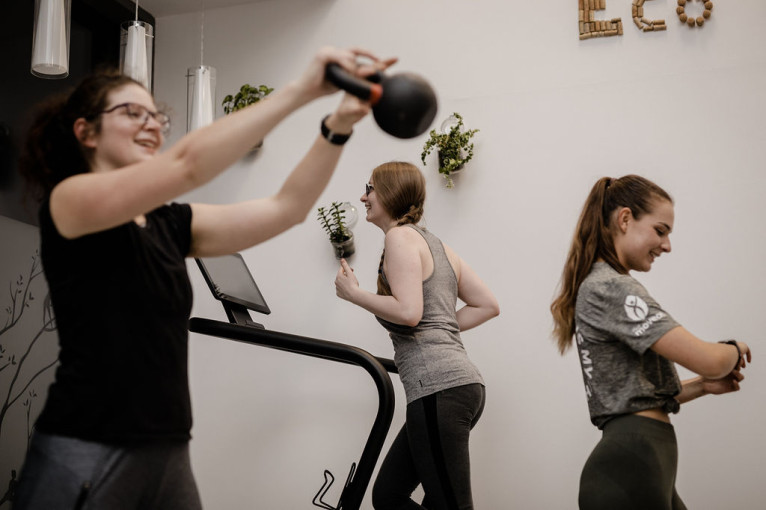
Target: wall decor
644,24
453,145
246,96
337,222
690,20
591,27
27,358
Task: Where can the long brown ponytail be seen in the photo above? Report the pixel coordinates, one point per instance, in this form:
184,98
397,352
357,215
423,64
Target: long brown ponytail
401,189
593,240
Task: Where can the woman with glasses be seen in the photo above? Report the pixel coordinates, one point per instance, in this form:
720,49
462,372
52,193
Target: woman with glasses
419,282
114,430
627,345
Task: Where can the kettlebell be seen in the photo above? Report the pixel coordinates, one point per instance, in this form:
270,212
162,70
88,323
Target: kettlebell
403,104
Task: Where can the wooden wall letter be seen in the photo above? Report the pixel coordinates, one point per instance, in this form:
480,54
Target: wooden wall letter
700,20
590,27
644,24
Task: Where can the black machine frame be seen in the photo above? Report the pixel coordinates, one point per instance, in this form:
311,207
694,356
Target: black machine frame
239,329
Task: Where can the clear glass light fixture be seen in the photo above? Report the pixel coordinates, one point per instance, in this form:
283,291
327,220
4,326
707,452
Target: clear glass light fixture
50,47
200,93
136,50
200,89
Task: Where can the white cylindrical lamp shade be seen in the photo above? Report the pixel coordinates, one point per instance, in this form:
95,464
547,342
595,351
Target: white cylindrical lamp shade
50,47
200,105
136,42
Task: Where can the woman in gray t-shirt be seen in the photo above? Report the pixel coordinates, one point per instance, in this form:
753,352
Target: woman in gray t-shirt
419,282
627,346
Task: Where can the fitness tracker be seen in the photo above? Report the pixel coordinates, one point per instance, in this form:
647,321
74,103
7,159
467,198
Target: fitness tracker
739,353
332,137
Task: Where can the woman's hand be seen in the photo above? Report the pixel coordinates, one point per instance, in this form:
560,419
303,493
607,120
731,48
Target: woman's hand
745,355
345,281
352,109
700,386
313,84
724,385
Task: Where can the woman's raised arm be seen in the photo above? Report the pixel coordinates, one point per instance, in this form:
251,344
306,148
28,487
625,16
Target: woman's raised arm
99,200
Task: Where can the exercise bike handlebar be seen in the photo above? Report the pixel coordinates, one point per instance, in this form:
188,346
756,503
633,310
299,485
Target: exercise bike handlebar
378,368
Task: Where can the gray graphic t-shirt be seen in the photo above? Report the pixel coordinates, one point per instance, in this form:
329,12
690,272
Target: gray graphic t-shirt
617,322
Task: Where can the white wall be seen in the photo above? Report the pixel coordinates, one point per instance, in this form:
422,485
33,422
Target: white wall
683,107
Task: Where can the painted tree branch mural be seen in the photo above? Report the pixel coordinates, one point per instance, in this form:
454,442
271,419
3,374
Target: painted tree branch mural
20,366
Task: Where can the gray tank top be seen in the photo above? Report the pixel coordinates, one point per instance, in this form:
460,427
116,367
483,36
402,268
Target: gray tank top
430,356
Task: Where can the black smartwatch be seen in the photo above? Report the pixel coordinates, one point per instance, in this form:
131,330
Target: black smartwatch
736,346
332,137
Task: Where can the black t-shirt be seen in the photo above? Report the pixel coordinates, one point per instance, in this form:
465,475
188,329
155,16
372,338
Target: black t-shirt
122,300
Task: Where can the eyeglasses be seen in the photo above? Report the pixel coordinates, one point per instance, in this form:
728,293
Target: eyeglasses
141,114
367,188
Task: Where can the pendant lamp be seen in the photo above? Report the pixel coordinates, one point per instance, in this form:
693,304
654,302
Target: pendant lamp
200,89
136,45
50,47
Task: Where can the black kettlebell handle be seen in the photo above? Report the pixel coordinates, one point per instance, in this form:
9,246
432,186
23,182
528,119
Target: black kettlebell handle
369,89
404,110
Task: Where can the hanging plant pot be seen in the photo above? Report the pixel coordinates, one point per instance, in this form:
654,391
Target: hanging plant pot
345,248
453,146
337,222
443,163
246,96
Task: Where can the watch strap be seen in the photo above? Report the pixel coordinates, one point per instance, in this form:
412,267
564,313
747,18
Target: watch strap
331,136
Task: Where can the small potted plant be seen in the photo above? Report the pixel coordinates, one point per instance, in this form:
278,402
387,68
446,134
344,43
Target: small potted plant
334,223
246,96
453,145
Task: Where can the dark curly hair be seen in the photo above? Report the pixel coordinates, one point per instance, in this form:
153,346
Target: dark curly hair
51,152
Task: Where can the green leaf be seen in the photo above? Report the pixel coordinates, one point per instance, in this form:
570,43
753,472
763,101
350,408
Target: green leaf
246,96
455,148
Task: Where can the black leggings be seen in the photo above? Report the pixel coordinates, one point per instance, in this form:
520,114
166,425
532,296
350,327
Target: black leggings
432,450
64,473
633,467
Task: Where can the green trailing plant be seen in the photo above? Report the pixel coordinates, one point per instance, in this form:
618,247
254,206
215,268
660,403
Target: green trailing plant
455,148
246,96
333,221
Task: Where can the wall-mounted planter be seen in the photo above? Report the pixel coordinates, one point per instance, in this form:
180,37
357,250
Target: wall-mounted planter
246,96
443,163
344,249
337,221
453,146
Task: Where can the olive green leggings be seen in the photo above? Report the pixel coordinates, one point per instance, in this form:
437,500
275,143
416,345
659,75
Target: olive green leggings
633,467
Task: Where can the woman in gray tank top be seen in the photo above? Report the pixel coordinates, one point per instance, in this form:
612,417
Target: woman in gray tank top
419,282
627,346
